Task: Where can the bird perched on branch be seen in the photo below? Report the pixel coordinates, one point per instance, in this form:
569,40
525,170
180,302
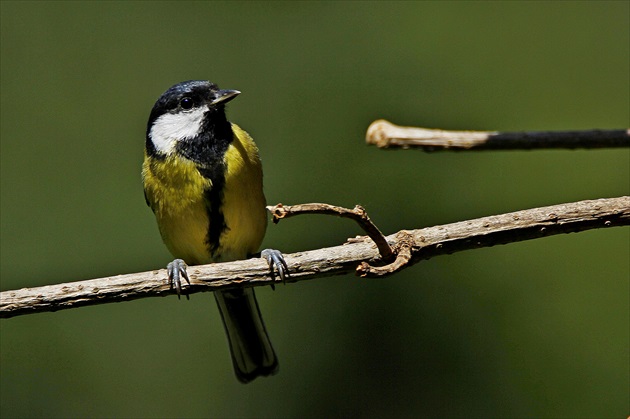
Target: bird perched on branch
203,180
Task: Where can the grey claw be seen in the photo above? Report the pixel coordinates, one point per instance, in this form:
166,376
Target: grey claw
276,262
176,270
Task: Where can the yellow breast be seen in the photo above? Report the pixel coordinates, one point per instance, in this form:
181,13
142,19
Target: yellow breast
176,190
243,199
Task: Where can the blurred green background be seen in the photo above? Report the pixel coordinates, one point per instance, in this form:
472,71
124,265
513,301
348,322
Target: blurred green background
533,329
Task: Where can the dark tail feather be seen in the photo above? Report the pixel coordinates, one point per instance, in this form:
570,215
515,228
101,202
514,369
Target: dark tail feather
252,353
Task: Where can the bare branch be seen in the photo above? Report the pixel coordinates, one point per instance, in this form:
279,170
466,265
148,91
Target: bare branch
410,247
384,134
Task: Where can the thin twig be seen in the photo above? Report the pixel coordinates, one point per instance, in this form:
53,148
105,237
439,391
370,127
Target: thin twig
357,214
423,244
384,134
404,247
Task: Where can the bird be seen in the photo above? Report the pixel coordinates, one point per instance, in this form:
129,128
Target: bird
202,178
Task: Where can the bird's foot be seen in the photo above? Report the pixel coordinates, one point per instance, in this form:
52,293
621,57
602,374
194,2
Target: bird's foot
276,263
176,271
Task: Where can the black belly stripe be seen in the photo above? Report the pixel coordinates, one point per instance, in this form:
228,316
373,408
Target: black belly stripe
214,203
208,150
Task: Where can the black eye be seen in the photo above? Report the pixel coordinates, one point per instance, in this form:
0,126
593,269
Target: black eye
186,103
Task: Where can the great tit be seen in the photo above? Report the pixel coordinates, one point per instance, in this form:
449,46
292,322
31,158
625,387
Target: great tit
203,180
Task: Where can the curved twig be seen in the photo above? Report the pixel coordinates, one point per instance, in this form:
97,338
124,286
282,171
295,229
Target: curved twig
358,214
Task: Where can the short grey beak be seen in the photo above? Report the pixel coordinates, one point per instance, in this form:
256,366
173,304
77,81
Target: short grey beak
224,96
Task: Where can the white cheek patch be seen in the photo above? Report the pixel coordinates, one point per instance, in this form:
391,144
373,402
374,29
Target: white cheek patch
170,128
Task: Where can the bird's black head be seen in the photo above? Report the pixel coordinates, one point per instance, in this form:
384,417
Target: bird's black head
186,111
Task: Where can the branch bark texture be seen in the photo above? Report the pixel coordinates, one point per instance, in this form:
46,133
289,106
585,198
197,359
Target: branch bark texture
384,134
359,255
